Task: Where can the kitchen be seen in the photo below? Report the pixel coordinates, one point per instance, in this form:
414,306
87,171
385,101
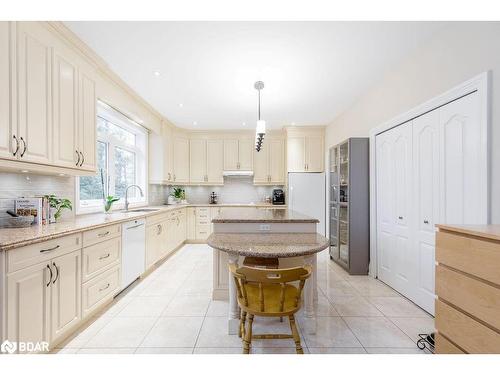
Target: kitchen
125,231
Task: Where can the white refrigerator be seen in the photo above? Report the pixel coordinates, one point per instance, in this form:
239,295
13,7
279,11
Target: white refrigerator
307,195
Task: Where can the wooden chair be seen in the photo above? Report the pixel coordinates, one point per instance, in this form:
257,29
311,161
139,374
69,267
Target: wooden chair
269,293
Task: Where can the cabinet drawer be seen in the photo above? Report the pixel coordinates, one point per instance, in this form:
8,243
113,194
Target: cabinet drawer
100,256
477,298
471,255
202,222
32,254
99,290
469,334
443,346
155,219
94,236
202,232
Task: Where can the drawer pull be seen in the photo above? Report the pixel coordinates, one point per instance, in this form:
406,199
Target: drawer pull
103,234
51,249
400,217
426,221
106,287
104,256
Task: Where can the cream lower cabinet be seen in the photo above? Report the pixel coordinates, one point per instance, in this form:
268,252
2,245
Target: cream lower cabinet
156,238
44,300
269,163
191,223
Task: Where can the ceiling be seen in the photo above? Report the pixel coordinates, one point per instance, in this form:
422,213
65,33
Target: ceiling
200,75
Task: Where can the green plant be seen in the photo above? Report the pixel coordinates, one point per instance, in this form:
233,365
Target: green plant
178,192
109,202
59,204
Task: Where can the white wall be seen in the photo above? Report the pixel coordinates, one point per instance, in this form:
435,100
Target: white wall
452,56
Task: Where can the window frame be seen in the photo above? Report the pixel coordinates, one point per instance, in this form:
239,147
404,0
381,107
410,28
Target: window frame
140,151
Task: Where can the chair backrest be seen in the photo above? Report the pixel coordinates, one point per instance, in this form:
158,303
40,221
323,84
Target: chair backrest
248,275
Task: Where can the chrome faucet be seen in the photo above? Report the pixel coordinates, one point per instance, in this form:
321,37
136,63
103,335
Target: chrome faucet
126,194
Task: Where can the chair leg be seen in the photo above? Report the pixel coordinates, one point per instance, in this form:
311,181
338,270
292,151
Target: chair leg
248,335
242,323
295,334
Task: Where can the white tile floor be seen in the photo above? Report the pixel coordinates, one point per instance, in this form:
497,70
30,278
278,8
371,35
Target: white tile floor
171,312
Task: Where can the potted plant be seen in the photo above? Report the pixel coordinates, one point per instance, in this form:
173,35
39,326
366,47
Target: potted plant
177,194
108,203
57,205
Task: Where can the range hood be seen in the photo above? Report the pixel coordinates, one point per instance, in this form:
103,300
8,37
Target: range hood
237,173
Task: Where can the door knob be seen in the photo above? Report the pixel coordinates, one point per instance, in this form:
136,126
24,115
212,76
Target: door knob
400,217
426,221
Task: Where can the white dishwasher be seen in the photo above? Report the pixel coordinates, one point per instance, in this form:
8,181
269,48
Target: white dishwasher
133,251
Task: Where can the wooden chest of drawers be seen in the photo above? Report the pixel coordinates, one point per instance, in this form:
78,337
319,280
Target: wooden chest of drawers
468,289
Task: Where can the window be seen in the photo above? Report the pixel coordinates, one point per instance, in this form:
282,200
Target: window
121,161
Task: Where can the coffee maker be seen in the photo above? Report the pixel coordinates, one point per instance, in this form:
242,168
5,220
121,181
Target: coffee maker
278,197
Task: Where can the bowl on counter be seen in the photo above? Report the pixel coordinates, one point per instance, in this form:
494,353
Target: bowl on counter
17,222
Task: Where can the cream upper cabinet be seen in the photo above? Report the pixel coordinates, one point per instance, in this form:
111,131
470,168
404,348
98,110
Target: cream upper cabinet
168,155
87,121
65,94
34,95
181,160
269,163
198,161
157,158
66,294
215,161
6,124
296,150
28,304
305,150
238,154
206,161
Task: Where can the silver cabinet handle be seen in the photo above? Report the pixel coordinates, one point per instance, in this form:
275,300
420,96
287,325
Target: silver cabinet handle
103,234
160,229
169,176
104,256
78,156
51,249
50,269
17,145
106,287
25,146
83,158
57,273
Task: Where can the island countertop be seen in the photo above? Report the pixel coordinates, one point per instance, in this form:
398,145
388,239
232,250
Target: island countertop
263,216
272,245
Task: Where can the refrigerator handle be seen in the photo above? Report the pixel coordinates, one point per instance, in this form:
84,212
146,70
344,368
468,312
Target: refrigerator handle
290,204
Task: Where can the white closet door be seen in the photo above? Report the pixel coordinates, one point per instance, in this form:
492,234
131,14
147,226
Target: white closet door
464,193
394,158
426,168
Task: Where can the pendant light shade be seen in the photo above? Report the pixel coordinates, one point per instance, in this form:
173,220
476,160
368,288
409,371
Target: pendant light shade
260,129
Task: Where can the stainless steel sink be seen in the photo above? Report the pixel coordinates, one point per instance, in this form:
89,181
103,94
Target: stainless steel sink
144,210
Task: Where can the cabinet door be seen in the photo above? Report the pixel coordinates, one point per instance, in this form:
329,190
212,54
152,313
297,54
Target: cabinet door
152,244
245,154
426,198
181,160
277,161
261,164
87,122
28,304
34,57
231,154
7,125
296,150
198,161
65,85
315,155
215,161
66,294
168,154
191,223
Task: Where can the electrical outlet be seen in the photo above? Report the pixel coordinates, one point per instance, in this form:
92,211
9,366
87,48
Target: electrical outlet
265,227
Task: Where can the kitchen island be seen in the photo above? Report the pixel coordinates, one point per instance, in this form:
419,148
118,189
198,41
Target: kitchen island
283,234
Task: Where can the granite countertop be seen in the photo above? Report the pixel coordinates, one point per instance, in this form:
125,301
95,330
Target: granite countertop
272,245
15,237
263,216
489,231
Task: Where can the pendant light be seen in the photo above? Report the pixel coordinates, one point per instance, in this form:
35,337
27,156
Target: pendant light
260,130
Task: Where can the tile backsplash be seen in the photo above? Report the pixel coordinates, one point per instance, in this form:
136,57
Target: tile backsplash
235,190
16,185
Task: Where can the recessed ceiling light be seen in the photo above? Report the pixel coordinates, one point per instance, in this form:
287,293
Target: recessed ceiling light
157,73
244,124
181,105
